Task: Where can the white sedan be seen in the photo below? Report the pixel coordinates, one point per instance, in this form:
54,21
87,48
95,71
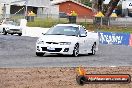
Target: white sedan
71,39
10,27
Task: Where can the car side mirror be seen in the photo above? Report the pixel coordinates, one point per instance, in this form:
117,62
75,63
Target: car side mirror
87,30
43,33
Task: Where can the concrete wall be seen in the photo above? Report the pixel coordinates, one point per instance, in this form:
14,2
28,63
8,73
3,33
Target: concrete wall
34,31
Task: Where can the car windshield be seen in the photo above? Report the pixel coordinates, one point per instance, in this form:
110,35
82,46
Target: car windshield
11,23
63,30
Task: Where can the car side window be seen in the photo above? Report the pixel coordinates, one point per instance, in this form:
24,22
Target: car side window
82,30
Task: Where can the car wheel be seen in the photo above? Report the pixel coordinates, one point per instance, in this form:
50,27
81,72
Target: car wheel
11,33
81,80
40,54
20,34
93,49
76,50
4,32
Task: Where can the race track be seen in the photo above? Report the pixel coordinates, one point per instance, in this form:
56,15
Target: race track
19,51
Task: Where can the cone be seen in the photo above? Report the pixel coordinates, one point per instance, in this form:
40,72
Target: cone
81,71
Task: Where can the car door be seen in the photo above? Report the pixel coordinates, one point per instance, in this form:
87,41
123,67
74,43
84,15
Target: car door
1,28
90,40
83,40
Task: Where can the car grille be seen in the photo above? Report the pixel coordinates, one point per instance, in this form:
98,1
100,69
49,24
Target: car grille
52,43
15,29
56,49
44,48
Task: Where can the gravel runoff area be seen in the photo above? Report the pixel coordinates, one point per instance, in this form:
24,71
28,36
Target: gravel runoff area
63,77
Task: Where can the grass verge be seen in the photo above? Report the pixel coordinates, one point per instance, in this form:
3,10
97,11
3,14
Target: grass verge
49,22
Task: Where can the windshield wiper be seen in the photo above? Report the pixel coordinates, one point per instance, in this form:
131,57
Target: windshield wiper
58,34
54,34
48,34
70,35
61,34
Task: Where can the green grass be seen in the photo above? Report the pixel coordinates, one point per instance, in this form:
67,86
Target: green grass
46,23
16,17
114,29
108,28
49,22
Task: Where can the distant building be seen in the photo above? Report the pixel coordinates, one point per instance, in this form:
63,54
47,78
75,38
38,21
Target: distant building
37,6
70,5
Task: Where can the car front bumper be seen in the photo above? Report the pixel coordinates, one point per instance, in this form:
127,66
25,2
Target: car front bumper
55,49
14,31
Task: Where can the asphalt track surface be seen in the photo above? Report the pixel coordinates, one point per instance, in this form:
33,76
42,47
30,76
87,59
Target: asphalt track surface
19,51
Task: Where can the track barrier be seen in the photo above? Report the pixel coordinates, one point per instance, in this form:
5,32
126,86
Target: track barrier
115,38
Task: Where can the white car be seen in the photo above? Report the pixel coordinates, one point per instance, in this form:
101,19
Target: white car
71,39
10,27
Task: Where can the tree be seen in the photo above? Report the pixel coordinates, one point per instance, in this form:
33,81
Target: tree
108,9
88,4
94,5
111,7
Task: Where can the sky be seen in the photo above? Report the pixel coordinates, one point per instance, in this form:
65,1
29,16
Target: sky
106,1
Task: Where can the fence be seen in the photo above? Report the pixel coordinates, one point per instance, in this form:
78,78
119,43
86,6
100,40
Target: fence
85,19
80,18
112,21
48,20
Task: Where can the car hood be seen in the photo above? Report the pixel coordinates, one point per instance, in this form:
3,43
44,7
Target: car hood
58,38
11,26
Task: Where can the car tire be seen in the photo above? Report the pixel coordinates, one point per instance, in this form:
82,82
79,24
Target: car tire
11,33
76,50
20,34
93,49
39,54
4,32
81,80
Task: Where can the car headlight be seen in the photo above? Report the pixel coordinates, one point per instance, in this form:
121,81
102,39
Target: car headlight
40,41
65,43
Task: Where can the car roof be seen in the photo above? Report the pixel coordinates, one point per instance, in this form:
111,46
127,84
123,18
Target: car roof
74,25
